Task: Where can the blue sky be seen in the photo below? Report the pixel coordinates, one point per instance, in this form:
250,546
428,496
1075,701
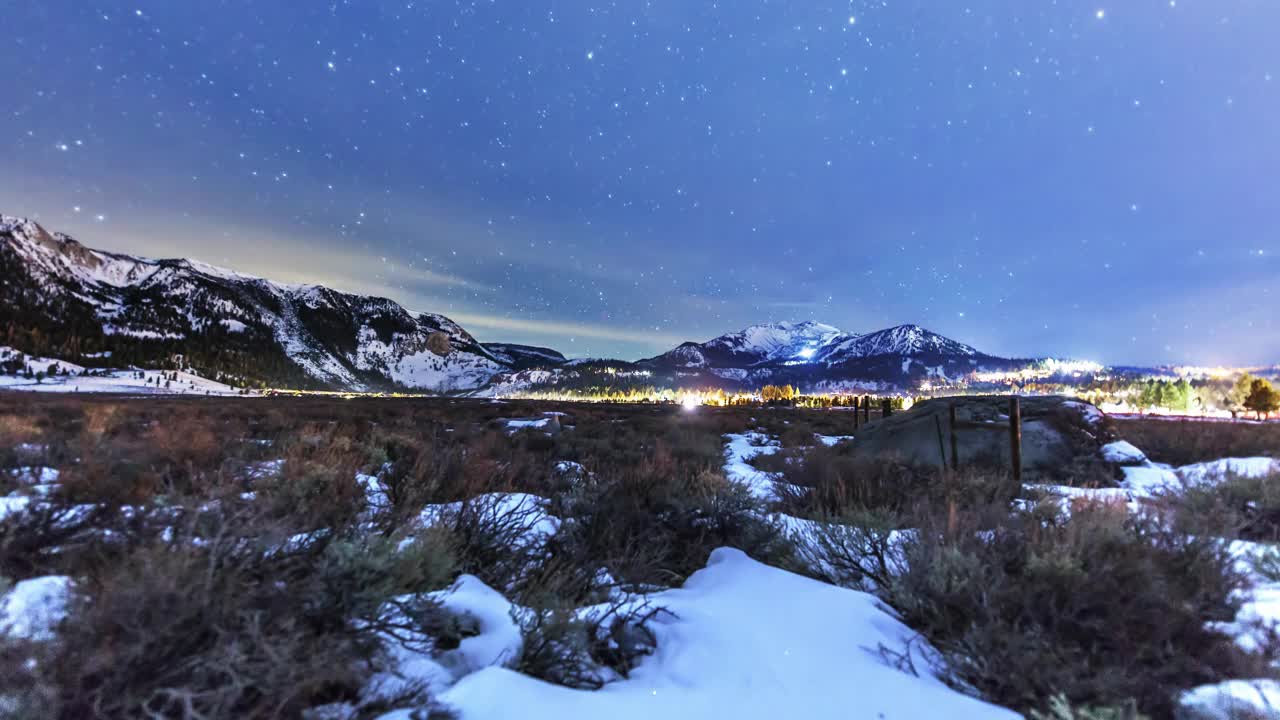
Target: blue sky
1066,178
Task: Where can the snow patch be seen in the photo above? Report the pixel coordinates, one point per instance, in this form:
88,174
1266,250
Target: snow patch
33,608
1233,700
1253,467
743,640
743,447
1122,452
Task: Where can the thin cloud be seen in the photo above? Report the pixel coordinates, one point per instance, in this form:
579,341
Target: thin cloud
559,329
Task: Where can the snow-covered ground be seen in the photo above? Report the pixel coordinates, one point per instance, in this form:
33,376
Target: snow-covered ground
740,640
71,378
832,440
33,608
1259,615
739,450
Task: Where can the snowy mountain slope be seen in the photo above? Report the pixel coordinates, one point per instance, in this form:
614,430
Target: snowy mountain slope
35,374
811,354
903,340
69,301
755,345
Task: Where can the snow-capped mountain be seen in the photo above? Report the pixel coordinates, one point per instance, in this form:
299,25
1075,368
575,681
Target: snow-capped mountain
809,343
61,299
754,346
903,340
816,355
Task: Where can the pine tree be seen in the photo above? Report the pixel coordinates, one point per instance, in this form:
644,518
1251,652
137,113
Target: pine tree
1262,399
1239,393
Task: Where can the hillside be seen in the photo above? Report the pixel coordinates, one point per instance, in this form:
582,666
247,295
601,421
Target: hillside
61,299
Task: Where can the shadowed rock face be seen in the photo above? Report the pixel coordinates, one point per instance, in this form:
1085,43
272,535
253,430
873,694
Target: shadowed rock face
1055,432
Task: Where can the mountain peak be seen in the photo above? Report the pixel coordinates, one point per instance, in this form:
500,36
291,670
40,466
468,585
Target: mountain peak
905,340
298,335
754,345
30,238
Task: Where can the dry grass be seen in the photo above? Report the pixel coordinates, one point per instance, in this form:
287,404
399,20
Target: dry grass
1183,442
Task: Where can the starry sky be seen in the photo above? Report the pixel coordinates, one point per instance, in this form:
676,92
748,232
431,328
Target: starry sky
611,178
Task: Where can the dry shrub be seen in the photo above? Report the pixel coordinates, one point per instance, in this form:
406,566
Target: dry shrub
49,538
240,624
1102,608
657,522
188,448
1183,442
17,431
828,482
1232,506
859,549
493,540
100,420
586,650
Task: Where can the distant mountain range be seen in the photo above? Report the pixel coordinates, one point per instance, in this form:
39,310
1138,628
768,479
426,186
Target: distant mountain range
810,343
61,299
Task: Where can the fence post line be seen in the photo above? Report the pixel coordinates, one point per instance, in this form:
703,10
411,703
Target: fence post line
955,445
1015,437
942,449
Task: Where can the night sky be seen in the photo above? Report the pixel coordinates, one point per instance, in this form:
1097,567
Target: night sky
611,178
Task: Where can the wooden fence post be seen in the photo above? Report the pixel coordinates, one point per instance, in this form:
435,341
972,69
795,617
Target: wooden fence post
866,409
942,449
1015,437
856,410
955,445
886,408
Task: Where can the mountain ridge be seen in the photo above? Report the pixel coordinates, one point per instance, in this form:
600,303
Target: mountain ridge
63,296
802,343
64,299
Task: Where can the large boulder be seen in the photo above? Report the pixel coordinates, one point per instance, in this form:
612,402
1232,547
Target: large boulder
1057,433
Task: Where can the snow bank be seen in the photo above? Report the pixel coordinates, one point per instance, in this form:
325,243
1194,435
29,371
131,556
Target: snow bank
1233,700
514,425
33,608
12,504
1078,493
1150,479
744,641
376,499
1259,613
1122,452
35,475
739,449
832,440
529,511
498,642
1254,467
1091,413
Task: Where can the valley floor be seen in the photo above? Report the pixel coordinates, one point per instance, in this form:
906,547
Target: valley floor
552,600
